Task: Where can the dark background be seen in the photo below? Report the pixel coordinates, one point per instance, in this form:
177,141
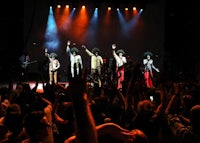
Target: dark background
171,32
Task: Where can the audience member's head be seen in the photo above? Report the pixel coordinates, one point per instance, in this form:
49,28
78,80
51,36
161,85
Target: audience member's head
139,136
36,125
3,107
145,108
13,118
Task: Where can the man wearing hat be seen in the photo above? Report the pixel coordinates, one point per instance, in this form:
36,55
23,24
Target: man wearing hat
54,65
75,59
148,68
96,62
120,61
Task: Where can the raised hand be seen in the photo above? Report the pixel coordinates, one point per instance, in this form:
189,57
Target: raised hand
68,43
46,50
83,46
113,46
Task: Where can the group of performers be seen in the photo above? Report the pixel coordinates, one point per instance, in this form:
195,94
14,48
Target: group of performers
97,63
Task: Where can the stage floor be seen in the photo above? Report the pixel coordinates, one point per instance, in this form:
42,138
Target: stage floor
32,85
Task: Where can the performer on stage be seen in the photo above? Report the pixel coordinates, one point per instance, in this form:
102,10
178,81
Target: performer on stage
120,61
96,63
75,60
54,65
24,60
148,66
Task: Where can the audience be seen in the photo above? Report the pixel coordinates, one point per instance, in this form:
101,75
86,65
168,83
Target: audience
78,114
184,133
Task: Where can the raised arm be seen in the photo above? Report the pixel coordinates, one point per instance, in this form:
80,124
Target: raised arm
68,48
87,51
85,128
46,53
113,50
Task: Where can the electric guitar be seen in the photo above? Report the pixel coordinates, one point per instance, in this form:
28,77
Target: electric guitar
25,64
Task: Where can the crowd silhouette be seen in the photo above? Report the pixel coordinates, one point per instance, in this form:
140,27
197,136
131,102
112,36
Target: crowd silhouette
78,113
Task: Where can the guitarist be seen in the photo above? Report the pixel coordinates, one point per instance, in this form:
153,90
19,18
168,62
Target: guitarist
54,65
24,60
